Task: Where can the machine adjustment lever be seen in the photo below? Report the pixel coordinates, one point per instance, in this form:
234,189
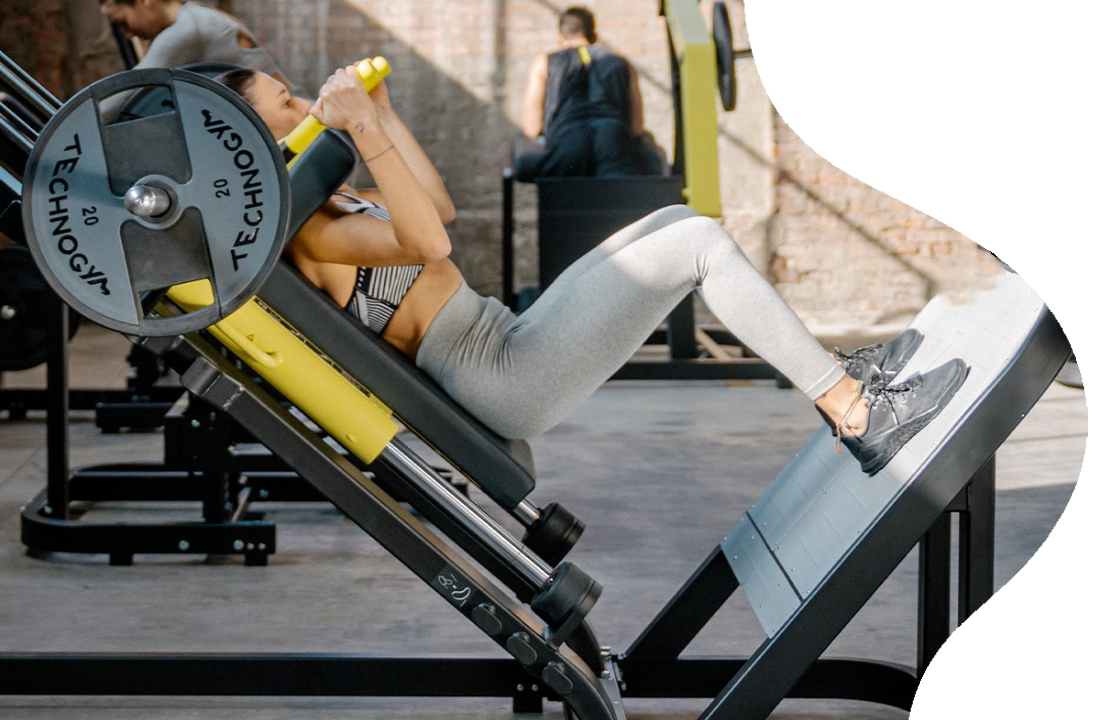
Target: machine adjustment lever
554,676
519,645
484,616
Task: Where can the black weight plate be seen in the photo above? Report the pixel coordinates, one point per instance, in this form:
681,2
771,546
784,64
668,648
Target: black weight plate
24,310
155,100
208,150
723,45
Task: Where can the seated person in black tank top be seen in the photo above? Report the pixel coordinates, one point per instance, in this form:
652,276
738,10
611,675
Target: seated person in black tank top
582,110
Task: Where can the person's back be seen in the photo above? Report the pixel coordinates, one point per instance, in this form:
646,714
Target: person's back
585,83
584,101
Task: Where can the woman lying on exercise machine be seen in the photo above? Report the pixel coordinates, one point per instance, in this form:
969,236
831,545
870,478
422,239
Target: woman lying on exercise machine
383,255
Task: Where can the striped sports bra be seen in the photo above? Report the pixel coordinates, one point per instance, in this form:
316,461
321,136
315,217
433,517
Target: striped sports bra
378,290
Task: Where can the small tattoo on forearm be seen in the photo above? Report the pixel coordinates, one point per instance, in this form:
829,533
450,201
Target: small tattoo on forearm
360,127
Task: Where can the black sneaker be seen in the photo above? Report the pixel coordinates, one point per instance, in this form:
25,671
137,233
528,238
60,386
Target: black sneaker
901,411
878,365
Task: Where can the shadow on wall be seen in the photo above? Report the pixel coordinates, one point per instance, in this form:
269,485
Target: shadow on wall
461,125
455,77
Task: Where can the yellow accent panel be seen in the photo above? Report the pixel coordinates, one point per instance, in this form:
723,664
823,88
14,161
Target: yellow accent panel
355,419
693,48
586,57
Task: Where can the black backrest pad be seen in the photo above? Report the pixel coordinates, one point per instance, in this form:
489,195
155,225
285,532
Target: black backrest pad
503,469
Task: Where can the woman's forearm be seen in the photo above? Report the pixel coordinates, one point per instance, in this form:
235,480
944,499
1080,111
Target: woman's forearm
418,162
417,225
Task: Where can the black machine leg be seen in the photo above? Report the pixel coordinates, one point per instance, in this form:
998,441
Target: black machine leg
976,541
681,330
57,411
934,598
687,613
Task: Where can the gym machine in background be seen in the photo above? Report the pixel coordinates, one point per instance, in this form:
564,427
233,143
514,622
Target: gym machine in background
576,213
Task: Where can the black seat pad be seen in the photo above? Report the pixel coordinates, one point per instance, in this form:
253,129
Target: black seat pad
504,469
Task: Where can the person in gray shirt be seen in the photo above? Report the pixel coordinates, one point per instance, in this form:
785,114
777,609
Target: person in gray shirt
180,33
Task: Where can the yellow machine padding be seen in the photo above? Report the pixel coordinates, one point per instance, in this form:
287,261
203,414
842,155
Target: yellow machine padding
694,52
353,417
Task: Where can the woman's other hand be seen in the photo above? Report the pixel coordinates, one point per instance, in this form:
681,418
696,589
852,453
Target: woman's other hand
380,95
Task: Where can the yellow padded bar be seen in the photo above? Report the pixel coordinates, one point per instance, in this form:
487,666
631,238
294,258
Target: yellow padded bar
371,73
694,52
353,417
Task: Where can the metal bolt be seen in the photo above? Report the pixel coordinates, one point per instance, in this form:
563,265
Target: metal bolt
251,546
519,688
195,423
147,201
264,494
184,545
7,312
263,546
48,510
238,545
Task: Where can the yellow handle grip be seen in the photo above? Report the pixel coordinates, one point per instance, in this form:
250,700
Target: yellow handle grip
370,72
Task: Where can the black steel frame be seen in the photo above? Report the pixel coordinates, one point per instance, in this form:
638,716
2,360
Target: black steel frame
657,669
50,522
653,663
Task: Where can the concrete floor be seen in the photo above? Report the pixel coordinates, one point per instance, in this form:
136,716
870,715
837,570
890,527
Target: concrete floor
659,471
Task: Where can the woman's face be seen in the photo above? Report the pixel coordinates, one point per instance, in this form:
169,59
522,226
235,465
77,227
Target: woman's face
279,110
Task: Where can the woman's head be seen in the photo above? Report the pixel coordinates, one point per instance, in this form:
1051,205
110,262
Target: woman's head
271,100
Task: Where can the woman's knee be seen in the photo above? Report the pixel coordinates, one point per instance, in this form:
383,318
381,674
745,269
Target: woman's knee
707,231
671,214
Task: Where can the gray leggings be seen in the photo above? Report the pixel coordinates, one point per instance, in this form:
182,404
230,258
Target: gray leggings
522,375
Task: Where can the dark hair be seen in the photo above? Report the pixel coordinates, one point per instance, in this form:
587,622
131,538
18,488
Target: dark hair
239,81
577,20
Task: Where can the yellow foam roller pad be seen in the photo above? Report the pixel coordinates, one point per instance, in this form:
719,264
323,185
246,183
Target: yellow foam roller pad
354,418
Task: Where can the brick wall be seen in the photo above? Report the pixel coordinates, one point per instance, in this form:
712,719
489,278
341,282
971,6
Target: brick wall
844,254
35,33
839,251
458,77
